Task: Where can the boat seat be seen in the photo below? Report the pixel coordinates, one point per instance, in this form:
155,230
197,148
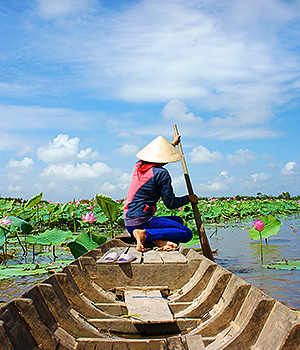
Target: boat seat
147,306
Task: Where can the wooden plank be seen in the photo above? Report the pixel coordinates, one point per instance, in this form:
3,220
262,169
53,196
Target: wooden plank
152,257
194,342
172,257
148,305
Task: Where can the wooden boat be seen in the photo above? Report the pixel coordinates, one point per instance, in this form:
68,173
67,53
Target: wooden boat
160,300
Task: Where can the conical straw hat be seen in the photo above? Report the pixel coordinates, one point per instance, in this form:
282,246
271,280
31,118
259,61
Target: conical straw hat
159,151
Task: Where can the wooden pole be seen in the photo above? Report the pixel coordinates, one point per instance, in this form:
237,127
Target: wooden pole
200,227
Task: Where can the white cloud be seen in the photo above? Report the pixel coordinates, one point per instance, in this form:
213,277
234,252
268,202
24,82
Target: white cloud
289,168
128,150
177,110
88,154
241,157
58,8
22,166
61,150
81,171
201,154
257,177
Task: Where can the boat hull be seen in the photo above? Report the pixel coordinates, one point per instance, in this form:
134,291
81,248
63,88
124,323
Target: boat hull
159,300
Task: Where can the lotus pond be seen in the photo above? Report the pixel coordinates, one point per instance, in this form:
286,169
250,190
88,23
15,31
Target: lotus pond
43,237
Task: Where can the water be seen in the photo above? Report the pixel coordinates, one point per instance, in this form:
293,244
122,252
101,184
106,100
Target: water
241,255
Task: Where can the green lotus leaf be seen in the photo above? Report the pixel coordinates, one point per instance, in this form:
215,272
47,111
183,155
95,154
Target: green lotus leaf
283,265
34,201
6,204
271,227
23,225
108,205
51,237
77,249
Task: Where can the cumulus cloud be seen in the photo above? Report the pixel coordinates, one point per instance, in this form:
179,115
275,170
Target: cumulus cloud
61,150
81,171
260,177
201,154
88,154
289,168
241,157
128,150
22,166
177,110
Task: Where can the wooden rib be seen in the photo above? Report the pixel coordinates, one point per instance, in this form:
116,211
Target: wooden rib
282,320
87,287
16,328
40,332
209,297
243,332
196,284
4,338
81,305
62,315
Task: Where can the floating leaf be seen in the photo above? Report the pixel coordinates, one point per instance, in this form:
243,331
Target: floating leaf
271,227
34,201
51,237
283,265
108,205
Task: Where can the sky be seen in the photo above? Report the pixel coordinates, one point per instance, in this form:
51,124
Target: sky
86,84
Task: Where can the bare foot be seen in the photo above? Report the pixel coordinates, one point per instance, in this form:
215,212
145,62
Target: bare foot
140,236
166,244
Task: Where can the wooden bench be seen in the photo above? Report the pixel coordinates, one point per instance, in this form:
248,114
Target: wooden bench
147,306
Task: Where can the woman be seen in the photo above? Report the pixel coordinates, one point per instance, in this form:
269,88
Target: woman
150,182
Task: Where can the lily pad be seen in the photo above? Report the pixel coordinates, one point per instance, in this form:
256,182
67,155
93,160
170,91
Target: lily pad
28,269
283,265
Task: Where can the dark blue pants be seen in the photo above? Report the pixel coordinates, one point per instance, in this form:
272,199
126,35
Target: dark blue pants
167,228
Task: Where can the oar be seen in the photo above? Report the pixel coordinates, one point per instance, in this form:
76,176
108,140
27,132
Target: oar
201,231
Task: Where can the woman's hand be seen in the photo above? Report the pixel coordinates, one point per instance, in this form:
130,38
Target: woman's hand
176,140
193,198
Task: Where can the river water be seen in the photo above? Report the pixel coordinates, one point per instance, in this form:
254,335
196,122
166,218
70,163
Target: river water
241,255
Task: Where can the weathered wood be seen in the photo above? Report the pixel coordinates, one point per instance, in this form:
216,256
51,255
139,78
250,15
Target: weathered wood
172,257
149,306
211,306
194,342
5,342
152,257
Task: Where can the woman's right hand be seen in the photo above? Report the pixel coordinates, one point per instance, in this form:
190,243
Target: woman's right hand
193,198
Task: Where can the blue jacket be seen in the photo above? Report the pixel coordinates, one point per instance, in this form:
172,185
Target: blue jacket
149,183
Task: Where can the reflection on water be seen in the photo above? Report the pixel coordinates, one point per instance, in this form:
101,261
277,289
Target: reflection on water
241,255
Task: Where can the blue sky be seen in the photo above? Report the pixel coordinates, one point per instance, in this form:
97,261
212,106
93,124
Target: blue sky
85,84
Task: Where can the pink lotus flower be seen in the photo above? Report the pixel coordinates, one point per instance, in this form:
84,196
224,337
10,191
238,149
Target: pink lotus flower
5,221
89,217
180,208
258,225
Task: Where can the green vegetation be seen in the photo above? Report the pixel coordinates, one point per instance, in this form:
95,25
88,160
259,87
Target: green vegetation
78,226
